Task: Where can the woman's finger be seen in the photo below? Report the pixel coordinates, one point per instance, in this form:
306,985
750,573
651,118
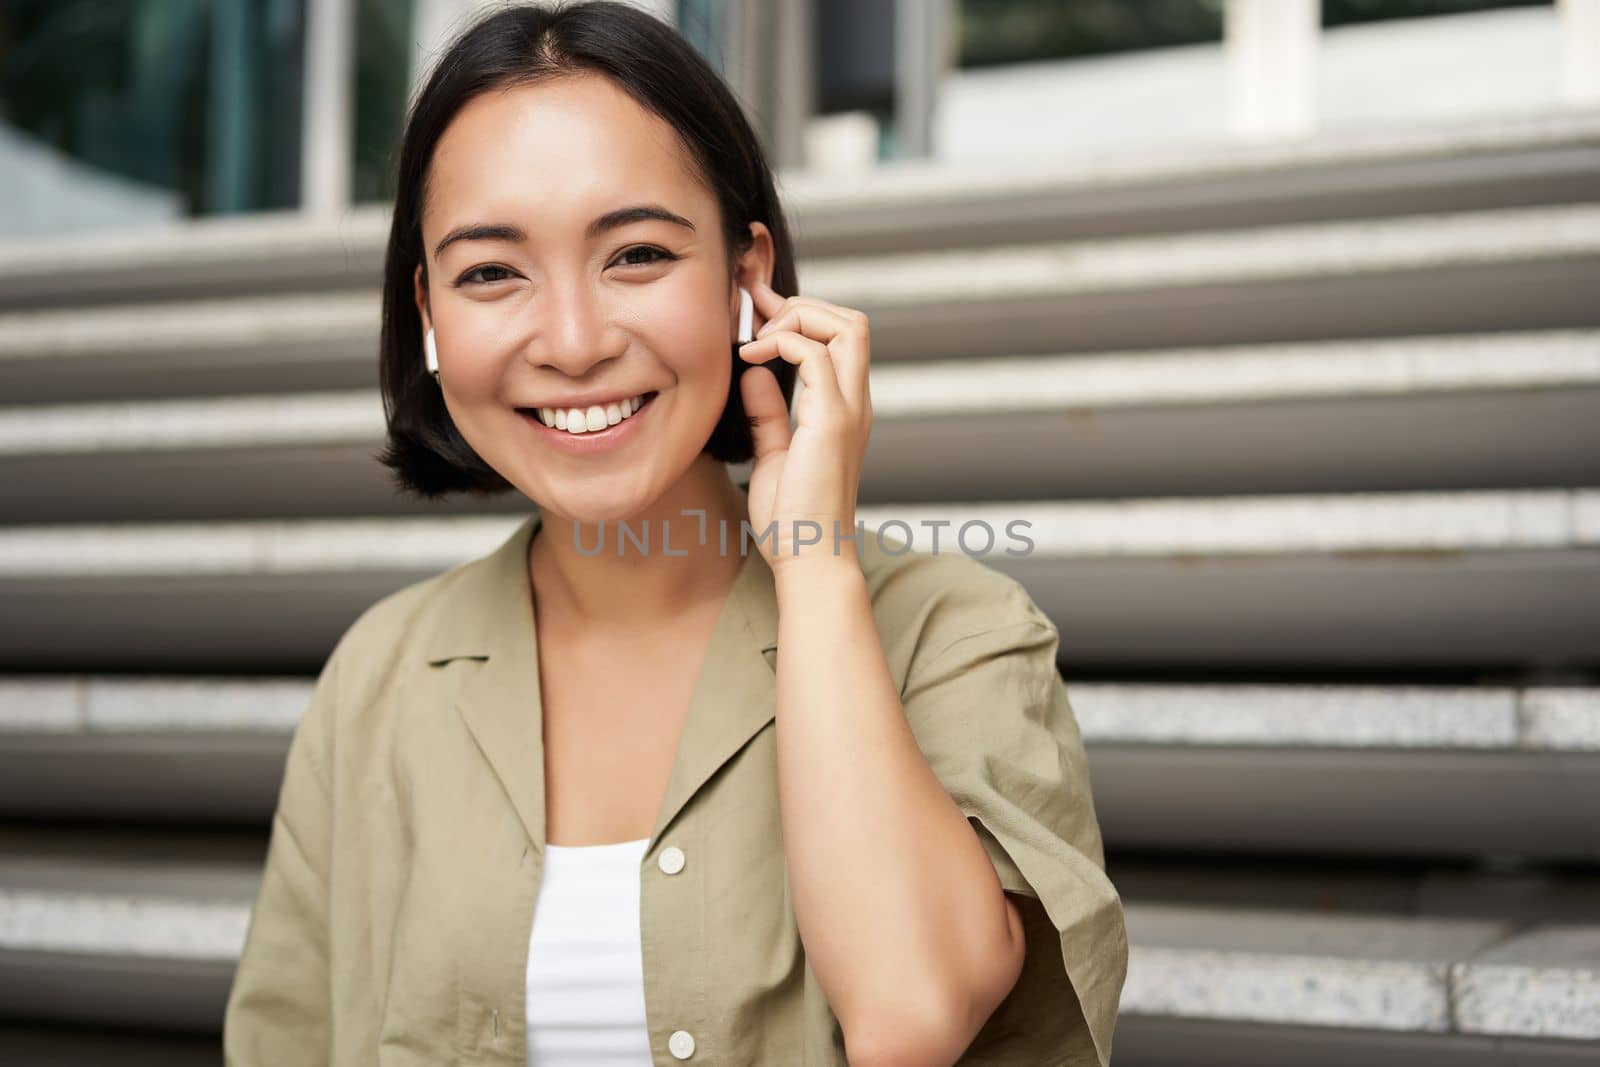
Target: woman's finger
843,330
768,303
814,359
766,410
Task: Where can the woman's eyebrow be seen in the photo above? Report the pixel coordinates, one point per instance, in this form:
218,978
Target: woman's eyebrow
505,231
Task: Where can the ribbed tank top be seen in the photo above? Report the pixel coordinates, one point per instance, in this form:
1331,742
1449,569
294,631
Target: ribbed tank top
585,1003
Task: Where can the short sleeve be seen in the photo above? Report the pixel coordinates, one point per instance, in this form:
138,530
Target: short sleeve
279,1006
990,712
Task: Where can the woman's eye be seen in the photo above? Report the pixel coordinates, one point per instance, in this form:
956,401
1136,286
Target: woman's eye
484,275
657,254
476,271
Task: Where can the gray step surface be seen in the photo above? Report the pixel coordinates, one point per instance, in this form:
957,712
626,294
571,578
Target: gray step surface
1346,328
1493,410
1521,161
123,928
1230,985
1480,580
1511,805
910,205
1163,1041
1507,269
1402,771
1519,268
155,935
1440,412
1254,715
45,1045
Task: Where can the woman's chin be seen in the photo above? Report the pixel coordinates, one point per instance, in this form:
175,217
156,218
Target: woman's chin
594,503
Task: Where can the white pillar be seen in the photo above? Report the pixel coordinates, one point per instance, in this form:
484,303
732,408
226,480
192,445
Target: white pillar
793,82
1580,51
924,51
1271,49
665,10
766,58
433,24
325,118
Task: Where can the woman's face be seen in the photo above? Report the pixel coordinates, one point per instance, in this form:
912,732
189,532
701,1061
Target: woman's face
561,310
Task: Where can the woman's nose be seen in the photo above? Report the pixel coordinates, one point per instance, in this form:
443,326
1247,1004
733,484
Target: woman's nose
570,330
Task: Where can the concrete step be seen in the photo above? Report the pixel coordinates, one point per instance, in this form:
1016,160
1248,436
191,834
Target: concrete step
1315,987
1495,888
123,928
58,1045
1511,773
1432,412
914,206
1508,269
271,344
98,936
1401,771
165,748
1451,412
1463,581
1456,581
1166,1041
1544,159
1372,972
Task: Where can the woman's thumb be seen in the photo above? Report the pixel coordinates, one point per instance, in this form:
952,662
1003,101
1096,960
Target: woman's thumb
765,408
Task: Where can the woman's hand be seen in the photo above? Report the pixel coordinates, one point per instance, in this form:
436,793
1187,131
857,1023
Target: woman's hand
812,473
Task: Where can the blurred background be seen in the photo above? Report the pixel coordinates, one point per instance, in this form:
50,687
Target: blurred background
1279,320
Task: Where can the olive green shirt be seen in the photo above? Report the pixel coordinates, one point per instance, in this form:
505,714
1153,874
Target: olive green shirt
393,917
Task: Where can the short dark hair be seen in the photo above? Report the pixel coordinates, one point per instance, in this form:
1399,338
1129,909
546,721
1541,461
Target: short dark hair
523,44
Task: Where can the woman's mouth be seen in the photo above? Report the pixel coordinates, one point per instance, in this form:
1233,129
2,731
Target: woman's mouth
573,425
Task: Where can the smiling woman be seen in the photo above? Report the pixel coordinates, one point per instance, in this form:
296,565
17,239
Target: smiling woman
547,292
556,806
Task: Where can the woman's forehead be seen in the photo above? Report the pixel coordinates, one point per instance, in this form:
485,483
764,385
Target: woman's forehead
576,141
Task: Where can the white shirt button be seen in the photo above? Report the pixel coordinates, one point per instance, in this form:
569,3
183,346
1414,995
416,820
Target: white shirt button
681,1044
671,861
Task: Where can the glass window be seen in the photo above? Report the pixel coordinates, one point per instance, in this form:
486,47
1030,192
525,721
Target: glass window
1015,31
1344,12
1051,79
116,113
1386,62
382,87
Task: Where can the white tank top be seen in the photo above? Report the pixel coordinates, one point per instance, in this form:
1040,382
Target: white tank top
585,972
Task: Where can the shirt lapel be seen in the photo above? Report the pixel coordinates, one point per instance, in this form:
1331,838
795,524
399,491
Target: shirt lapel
735,695
487,618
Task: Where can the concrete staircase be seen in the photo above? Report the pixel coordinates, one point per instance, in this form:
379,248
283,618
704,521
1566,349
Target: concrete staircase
1309,441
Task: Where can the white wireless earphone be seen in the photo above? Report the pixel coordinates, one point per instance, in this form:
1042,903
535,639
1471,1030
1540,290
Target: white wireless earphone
431,351
747,310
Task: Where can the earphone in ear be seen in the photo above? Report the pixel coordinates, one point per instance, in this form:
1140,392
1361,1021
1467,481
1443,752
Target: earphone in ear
747,310
431,351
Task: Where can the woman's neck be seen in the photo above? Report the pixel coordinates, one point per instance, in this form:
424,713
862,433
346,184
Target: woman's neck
588,574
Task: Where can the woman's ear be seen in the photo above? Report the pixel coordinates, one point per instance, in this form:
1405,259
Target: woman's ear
757,262
419,282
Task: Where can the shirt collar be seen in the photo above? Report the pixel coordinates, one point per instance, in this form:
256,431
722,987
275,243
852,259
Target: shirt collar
486,617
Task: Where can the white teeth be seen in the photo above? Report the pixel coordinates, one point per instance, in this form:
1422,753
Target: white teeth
583,420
